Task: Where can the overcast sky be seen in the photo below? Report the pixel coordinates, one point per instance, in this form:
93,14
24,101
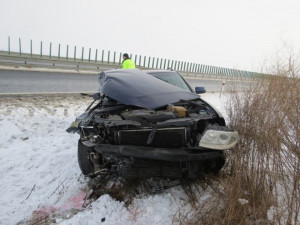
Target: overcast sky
235,33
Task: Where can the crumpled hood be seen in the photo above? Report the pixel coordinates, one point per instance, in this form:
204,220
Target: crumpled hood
137,88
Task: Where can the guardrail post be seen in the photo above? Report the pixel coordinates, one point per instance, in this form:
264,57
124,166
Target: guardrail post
149,59
175,65
41,50
20,46
168,65
50,50
102,58
75,53
157,60
140,60
114,57
144,61
153,59
8,45
67,53
82,52
58,51
96,56
165,64
108,56
135,59
89,54
120,58
30,48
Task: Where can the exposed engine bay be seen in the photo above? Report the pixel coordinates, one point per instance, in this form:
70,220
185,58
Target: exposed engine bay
114,123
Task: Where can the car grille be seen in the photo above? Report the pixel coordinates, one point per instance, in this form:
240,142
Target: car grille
165,137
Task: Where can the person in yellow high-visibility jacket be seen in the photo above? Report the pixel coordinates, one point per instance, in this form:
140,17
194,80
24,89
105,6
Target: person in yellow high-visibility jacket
127,62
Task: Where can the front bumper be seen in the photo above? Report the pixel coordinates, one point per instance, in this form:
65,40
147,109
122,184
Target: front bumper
141,162
164,154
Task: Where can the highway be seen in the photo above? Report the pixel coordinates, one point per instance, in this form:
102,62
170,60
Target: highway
51,82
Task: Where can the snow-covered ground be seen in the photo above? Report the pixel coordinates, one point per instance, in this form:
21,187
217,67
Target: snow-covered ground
40,176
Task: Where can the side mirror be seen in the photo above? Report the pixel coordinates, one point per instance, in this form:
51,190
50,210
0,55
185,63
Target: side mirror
200,90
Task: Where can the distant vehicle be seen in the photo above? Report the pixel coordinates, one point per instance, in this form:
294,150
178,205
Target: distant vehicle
151,124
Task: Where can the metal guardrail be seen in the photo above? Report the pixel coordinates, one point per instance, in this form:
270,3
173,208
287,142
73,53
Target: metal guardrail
110,60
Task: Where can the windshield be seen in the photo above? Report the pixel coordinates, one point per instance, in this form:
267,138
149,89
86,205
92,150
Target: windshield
172,78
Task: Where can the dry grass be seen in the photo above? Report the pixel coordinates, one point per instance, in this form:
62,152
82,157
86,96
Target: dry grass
261,180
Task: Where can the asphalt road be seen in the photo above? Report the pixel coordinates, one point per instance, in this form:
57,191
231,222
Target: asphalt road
33,82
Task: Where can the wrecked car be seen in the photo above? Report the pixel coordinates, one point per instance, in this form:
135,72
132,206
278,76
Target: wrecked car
151,124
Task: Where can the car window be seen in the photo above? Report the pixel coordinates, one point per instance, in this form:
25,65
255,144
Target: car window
172,78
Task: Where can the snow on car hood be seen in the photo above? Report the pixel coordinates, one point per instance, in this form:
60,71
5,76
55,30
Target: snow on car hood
137,88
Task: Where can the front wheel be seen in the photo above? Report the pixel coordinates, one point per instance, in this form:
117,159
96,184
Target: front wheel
84,159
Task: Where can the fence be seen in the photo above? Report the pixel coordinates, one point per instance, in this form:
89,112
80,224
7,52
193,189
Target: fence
112,59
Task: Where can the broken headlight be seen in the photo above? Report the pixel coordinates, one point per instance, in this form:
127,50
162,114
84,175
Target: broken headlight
219,140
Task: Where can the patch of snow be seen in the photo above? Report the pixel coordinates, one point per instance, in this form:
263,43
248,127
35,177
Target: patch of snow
243,201
270,213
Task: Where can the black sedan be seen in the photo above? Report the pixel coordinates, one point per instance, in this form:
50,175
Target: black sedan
151,124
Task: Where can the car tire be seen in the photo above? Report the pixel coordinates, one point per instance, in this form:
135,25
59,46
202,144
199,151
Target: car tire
83,155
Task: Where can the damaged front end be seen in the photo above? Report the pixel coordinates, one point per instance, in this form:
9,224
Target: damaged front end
134,142
181,139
